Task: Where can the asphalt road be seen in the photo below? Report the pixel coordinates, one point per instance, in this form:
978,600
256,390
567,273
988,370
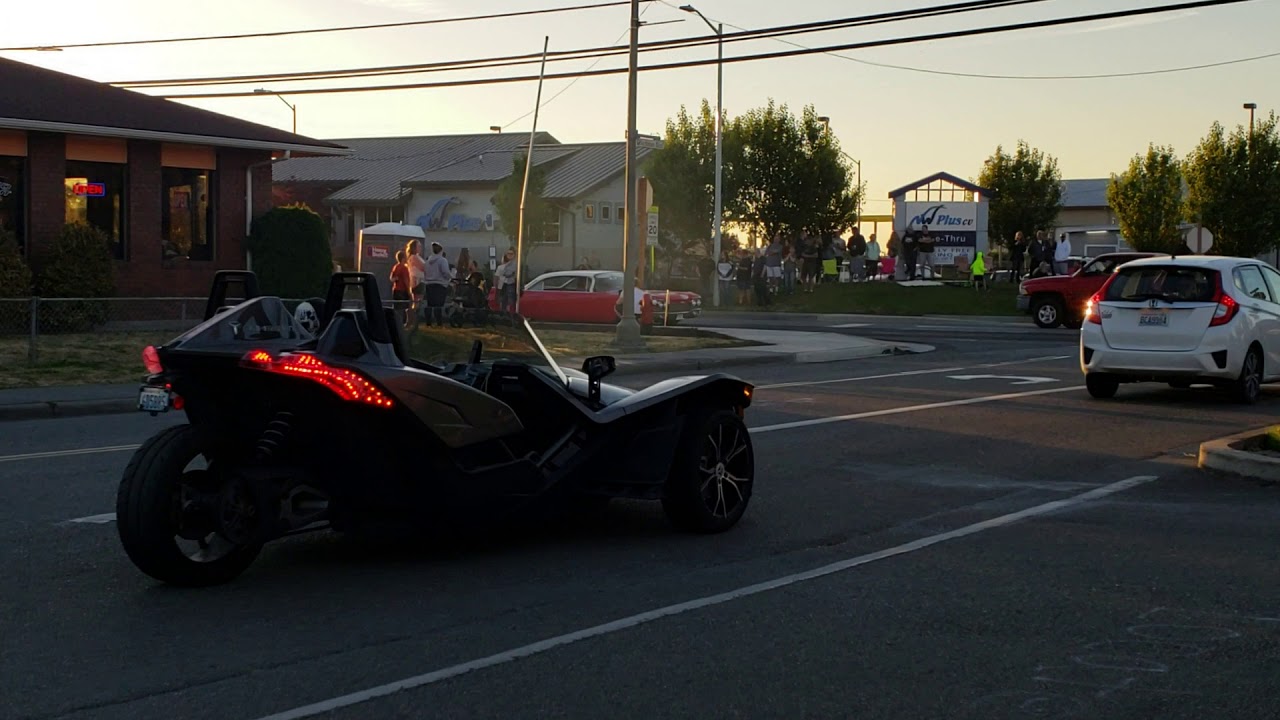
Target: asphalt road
959,534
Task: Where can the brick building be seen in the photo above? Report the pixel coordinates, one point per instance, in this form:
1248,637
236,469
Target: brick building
173,187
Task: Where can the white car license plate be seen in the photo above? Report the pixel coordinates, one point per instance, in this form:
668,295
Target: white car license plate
153,399
1157,319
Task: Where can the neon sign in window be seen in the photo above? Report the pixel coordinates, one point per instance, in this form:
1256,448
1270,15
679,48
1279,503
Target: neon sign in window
90,189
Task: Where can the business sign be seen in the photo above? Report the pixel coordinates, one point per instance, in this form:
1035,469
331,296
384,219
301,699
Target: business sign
953,226
438,219
6,187
89,189
379,252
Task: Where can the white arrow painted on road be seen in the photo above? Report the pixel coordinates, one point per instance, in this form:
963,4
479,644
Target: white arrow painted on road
1021,380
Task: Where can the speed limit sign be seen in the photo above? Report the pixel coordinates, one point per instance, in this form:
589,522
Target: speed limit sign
651,237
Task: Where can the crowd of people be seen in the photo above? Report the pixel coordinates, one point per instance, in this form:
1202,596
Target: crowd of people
430,283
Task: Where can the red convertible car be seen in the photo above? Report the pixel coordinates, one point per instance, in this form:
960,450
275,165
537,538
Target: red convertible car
593,296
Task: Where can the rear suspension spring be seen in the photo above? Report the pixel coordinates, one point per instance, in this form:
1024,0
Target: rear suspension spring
274,435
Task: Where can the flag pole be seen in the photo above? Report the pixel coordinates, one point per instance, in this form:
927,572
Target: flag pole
528,165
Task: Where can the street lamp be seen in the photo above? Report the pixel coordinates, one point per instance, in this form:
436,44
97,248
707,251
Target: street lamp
1251,107
718,218
294,108
826,123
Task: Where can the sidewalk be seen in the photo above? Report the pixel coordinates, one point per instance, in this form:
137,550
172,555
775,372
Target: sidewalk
778,346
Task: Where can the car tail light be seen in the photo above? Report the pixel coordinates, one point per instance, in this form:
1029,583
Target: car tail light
1227,307
1091,309
346,384
151,360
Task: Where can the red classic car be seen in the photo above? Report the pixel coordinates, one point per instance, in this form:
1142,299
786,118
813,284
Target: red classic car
593,296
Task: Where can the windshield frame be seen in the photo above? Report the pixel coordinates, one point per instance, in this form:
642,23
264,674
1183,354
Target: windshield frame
546,355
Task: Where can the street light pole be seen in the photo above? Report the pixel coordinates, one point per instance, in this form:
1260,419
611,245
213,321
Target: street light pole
294,108
628,334
1251,107
717,214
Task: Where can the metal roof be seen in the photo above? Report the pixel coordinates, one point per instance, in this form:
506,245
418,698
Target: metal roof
591,166
1087,193
377,166
488,167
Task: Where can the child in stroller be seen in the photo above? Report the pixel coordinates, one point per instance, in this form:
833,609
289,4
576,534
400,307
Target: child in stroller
470,302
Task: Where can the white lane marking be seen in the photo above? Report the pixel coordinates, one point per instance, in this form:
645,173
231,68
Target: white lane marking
626,623
909,373
63,453
909,409
852,325
1020,379
1027,361
102,519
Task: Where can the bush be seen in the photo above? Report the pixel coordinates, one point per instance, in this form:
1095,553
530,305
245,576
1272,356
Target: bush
291,254
15,282
15,276
78,266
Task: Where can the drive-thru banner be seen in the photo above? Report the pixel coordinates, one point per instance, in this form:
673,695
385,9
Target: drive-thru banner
953,226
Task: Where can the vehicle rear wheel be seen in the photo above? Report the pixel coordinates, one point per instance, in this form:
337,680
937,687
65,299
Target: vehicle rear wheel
1047,312
1248,387
711,481
161,506
1101,386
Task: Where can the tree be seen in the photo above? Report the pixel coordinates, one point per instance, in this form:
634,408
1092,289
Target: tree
829,202
1233,188
291,255
1028,191
15,276
1147,200
683,177
538,213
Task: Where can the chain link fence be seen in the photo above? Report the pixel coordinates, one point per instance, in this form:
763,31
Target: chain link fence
50,330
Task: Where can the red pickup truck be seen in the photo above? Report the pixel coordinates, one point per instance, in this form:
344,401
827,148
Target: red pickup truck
1060,299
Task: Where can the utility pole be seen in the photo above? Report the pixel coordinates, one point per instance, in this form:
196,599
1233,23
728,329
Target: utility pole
628,327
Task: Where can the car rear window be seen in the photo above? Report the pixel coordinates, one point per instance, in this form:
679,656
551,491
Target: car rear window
1171,283
609,283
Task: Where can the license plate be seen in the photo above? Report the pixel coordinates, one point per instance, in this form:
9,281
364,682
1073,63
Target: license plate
1158,319
152,399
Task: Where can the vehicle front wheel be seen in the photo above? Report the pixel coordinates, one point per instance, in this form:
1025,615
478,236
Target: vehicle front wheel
168,515
1047,312
1248,387
711,480
1101,386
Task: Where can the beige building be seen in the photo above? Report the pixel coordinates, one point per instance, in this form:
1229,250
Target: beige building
1087,218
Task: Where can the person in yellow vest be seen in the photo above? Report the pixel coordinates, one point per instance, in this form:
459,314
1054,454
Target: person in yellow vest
978,269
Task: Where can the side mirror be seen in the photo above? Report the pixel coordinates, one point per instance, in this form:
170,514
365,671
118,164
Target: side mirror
597,368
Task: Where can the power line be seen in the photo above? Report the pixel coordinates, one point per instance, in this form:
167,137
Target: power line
950,35
574,81
595,52
345,28
991,76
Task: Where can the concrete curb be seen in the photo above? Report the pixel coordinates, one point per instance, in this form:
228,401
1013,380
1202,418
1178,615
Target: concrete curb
1224,455
66,409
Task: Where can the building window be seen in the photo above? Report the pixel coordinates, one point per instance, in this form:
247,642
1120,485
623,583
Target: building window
606,212
589,212
96,196
13,198
621,210
551,232
375,215
186,214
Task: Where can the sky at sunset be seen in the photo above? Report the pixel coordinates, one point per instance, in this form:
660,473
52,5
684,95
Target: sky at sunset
901,124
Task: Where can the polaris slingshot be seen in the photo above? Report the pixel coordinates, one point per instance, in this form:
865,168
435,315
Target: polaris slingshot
292,429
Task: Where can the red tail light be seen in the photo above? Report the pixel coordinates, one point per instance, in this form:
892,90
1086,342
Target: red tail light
1091,309
347,384
1227,307
151,360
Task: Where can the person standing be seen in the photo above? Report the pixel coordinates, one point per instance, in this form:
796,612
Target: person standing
1017,254
1061,255
437,277
924,251
873,257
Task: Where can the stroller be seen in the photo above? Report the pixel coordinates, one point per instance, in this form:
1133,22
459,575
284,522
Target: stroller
469,303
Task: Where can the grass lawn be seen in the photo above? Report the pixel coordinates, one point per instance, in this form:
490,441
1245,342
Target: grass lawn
432,344
107,357
76,358
888,298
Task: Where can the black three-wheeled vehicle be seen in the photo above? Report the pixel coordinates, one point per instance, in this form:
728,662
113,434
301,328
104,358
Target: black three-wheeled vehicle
290,431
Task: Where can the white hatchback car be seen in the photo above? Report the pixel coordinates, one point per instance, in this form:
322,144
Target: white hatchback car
1182,321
